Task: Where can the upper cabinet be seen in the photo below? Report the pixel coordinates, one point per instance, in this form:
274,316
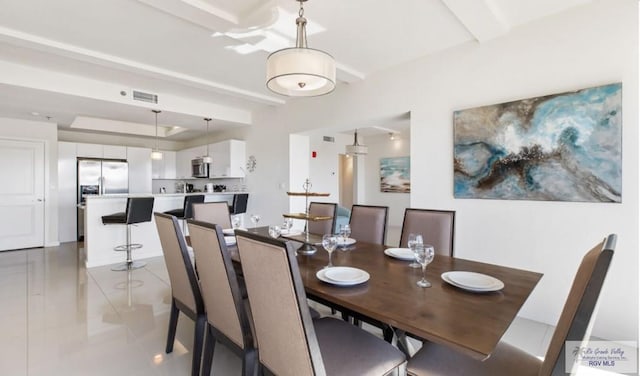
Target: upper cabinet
101,151
228,159
164,168
183,160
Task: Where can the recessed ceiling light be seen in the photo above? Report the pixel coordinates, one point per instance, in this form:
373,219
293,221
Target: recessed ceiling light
35,113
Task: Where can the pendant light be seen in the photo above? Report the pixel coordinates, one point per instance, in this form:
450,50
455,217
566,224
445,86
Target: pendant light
207,158
156,154
356,148
301,71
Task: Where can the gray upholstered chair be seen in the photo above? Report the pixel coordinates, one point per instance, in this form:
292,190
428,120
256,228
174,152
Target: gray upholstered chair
435,359
228,316
213,212
435,226
185,290
322,209
369,223
290,343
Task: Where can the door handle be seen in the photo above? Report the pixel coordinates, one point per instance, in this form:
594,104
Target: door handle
40,200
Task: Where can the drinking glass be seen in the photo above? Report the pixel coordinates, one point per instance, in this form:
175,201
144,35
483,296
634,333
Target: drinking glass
255,218
424,255
412,241
274,231
329,242
345,232
235,221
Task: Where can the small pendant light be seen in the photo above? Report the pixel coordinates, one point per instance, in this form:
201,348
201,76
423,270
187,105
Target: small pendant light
207,158
156,154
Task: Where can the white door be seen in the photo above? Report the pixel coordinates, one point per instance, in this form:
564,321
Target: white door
21,194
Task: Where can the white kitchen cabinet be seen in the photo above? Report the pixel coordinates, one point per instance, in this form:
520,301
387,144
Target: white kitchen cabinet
114,152
139,169
164,168
183,160
228,159
67,210
101,151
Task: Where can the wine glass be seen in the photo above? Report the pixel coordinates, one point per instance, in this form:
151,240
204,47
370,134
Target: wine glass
286,225
345,232
235,221
424,255
255,218
329,242
412,242
274,231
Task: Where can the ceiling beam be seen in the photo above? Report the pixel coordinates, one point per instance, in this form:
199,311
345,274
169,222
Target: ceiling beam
482,19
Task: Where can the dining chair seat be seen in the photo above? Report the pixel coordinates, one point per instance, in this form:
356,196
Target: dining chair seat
433,359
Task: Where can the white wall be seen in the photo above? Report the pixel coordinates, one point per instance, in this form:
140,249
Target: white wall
592,45
46,132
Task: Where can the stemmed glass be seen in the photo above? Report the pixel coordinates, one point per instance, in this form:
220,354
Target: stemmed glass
255,218
412,242
345,232
329,242
235,221
286,225
274,231
424,255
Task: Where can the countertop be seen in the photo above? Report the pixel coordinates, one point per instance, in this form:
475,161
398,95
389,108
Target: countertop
125,195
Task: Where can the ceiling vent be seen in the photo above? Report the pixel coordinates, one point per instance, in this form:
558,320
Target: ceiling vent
328,139
144,97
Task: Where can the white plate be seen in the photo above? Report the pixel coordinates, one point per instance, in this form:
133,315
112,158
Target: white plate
400,253
230,240
230,231
346,242
471,281
322,275
344,274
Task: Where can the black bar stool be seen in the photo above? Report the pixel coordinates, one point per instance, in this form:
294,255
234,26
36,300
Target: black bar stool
139,209
186,212
239,205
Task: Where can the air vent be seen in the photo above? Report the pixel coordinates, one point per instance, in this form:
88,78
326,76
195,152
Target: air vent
328,139
144,97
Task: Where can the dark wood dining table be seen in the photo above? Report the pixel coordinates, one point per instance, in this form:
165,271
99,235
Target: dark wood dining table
472,323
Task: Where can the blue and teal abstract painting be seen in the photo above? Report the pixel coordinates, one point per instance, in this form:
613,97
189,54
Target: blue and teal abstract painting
395,175
561,147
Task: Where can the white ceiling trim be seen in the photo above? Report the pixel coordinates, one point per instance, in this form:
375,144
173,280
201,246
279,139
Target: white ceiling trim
123,127
83,54
482,19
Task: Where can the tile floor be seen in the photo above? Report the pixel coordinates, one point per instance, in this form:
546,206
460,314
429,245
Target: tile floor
58,318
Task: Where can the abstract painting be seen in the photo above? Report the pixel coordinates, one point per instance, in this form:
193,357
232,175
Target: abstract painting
561,147
395,175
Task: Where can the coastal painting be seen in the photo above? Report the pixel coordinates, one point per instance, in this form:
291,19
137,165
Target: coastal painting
395,175
561,147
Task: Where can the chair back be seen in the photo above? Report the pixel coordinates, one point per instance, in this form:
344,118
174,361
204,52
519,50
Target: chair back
239,205
435,226
184,284
139,209
213,212
577,311
322,209
369,223
188,204
218,283
284,331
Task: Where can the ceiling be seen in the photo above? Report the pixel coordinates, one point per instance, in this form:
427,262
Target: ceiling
65,59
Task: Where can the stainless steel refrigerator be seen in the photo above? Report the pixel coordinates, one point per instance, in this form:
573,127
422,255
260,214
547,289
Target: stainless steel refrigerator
99,177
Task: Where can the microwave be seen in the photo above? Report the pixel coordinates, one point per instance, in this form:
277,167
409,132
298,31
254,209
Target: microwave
199,169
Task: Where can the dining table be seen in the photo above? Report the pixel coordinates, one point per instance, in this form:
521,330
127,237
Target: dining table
470,322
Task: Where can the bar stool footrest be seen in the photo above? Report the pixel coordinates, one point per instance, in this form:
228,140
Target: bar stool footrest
123,248
128,266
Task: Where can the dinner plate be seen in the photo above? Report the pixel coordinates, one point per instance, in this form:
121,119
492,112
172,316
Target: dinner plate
230,231
400,253
343,276
472,281
230,240
345,242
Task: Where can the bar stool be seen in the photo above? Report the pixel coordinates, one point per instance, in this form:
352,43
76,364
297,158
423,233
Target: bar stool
239,205
139,210
186,212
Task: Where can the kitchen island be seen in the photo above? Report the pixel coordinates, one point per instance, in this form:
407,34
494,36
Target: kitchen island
100,239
